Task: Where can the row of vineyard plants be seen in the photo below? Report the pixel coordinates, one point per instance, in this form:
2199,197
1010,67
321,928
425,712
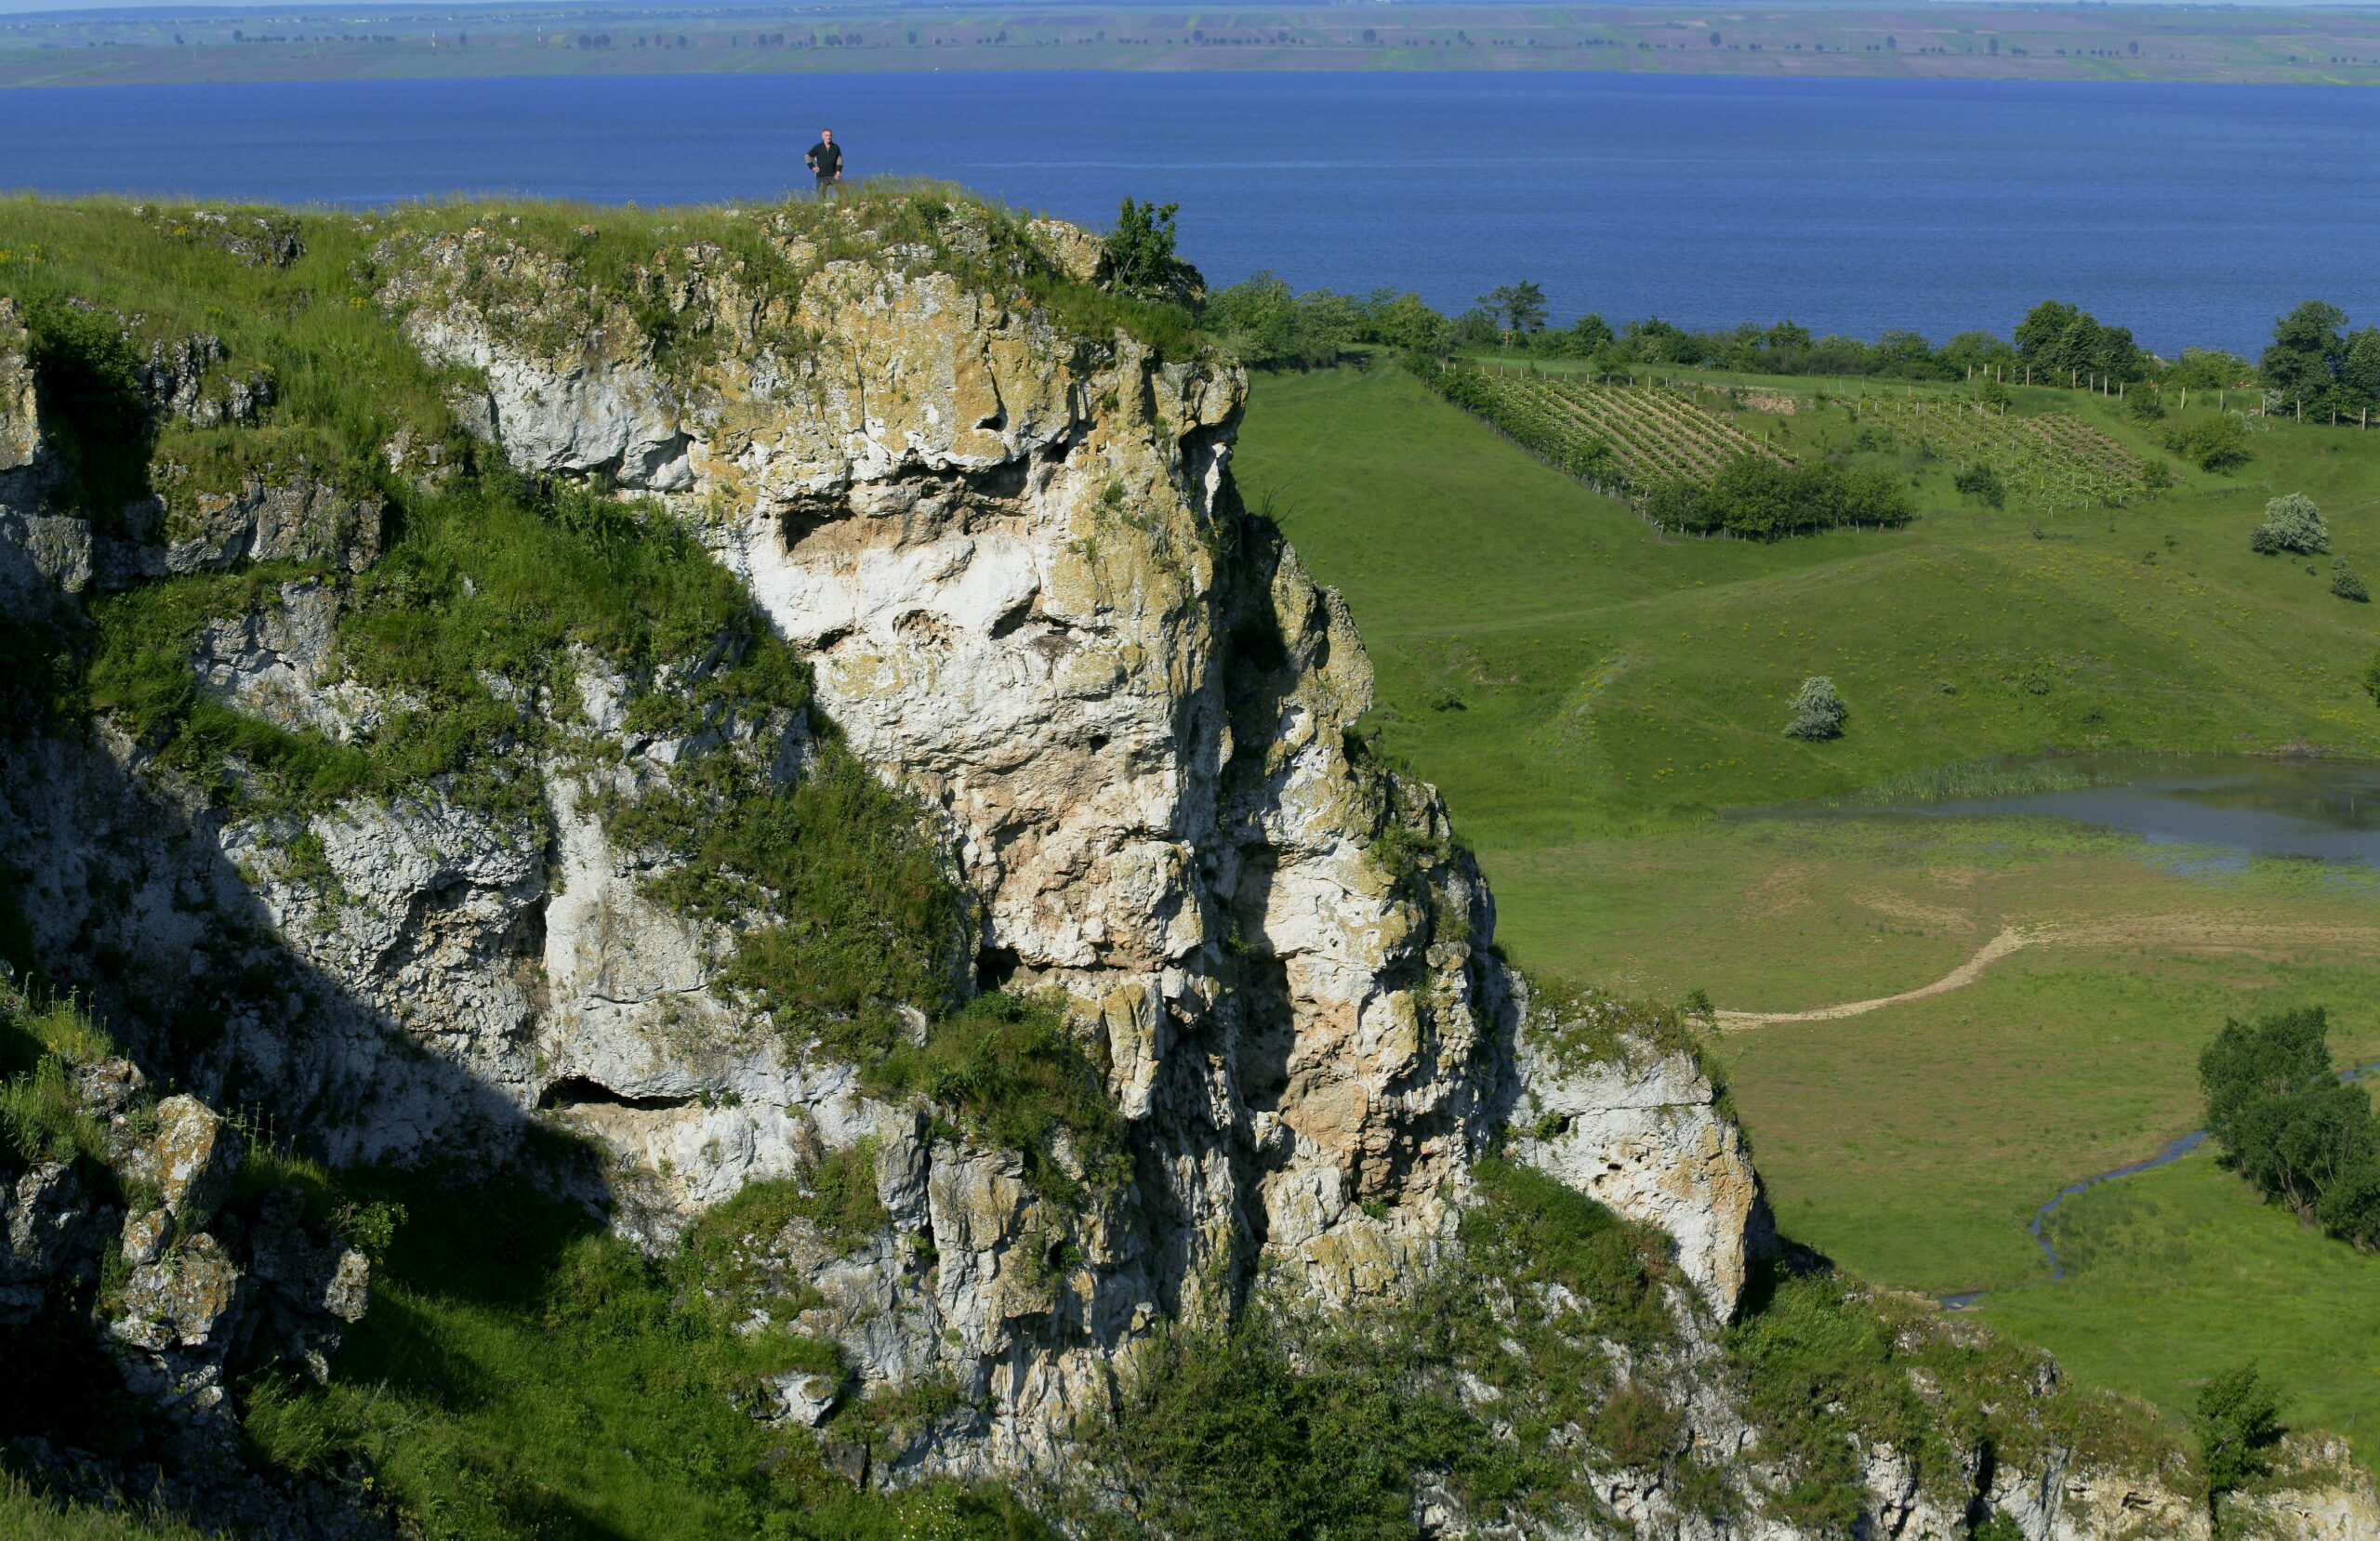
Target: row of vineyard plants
2053,460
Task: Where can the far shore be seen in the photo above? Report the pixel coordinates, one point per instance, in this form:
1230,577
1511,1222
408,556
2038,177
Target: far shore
144,48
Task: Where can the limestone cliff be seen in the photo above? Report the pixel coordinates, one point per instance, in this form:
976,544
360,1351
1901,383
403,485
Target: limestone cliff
1005,547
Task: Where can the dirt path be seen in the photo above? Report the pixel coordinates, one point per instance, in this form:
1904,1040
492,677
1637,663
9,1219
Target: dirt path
2199,930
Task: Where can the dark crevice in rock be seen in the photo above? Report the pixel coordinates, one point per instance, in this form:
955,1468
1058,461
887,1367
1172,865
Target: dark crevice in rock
579,1091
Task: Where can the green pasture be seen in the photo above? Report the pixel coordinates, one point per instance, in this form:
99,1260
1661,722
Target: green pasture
2180,1271
1602,705
1561,669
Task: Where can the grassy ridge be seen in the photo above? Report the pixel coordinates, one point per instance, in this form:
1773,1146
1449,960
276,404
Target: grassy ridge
1589,693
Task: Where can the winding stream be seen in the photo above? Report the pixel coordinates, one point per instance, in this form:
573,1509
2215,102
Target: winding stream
2172,1152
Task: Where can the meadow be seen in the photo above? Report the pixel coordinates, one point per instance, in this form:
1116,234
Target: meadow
1603,705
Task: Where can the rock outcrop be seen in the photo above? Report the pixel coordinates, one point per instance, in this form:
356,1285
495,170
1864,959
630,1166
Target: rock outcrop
202,1291
1010,555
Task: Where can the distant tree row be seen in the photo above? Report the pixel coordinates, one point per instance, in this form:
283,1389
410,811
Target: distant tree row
2314,368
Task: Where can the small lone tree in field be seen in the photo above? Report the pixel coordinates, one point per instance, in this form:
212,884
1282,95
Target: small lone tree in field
2292,523
2348,585
1818,709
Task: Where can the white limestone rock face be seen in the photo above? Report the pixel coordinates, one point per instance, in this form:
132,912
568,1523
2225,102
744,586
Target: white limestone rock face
42,553
1015,560
1639,1129
1012,557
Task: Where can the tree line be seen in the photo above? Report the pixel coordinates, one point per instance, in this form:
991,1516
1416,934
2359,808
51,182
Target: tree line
2314,368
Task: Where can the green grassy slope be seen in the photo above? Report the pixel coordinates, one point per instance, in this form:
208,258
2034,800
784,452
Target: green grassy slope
1589,693
2185,1259
1560,668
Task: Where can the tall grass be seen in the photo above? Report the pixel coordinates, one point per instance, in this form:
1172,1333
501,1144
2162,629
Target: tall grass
1971,780
27,1515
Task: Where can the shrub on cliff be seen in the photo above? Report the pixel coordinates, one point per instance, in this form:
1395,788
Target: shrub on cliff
2237,1421
1139,255
1819,710
2292,523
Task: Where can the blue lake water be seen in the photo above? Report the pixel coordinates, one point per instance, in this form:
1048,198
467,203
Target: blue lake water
2194,213
2313,808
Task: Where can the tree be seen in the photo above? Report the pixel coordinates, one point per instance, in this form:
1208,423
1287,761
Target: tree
2285,1121
1476,327
1589,332
1819,710
1405,323
2307,352
2292,523
2209,369
1257,318
2064,345
1519,306
2237,1421
2360,368
1138,256
1654,340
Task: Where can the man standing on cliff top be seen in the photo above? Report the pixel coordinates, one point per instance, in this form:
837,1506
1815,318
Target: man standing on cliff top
826,159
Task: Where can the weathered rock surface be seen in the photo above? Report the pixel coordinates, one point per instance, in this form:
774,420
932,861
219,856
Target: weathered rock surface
292,519
1015,560
1642,1133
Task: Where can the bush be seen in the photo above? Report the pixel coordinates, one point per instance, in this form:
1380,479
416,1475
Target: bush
2292,523
1819,710
1757,498
1008,1066
1983,484
2346,585
2210,443
2144,407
